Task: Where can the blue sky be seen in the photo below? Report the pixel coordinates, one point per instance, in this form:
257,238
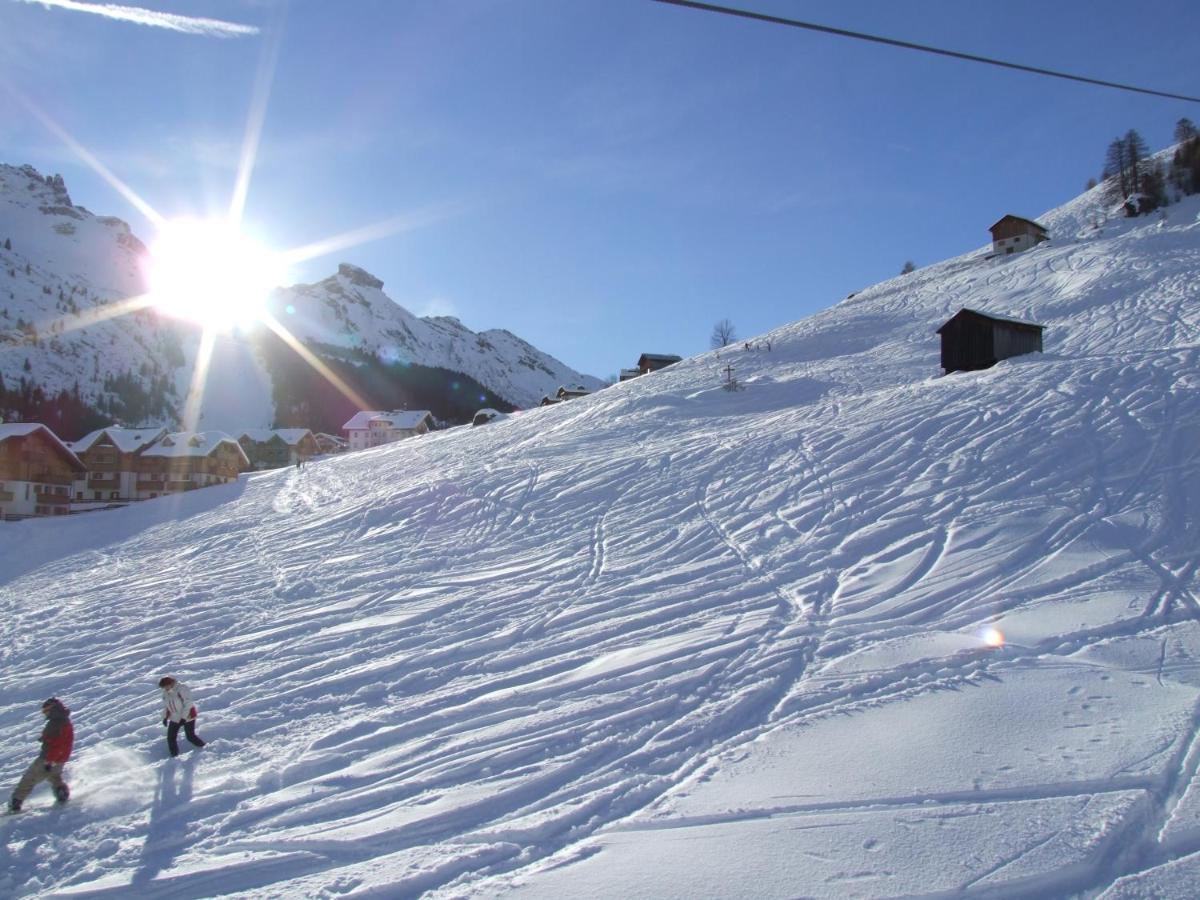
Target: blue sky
601,177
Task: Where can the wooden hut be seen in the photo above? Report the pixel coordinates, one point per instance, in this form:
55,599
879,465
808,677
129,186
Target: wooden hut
1012,234
652,362
973,340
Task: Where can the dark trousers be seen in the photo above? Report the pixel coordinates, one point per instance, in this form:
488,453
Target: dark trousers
189,731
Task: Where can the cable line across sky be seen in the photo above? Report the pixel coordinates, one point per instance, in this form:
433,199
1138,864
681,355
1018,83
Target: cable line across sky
924,48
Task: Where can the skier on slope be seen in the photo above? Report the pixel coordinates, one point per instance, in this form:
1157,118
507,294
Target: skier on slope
179,710
58,738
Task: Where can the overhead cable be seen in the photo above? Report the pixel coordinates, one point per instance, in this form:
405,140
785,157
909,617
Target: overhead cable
923,48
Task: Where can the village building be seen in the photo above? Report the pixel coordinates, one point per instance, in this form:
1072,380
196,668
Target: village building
652,362
373,428
279,447
627,374
37,472
110,456
1012,234
330,443
188,460
972,340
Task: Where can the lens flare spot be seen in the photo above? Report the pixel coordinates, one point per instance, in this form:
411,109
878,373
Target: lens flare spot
993,637
211,273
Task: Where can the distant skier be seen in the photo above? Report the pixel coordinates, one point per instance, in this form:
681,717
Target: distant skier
179,710
58,738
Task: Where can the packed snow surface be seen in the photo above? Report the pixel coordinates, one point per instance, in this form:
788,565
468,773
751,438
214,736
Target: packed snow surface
853,630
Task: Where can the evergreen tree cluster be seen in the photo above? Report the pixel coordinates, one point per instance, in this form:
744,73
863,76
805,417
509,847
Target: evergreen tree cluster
1185,165
1132,176
134,401
66,413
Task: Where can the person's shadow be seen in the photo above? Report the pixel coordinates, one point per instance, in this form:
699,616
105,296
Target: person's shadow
166,832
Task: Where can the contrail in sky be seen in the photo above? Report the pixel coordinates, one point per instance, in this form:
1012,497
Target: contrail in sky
139,16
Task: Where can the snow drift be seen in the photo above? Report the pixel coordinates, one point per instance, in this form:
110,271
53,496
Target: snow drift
670,639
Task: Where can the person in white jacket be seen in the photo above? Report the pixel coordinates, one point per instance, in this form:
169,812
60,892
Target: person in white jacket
179,710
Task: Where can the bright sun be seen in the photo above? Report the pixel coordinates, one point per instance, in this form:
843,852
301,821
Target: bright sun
207,271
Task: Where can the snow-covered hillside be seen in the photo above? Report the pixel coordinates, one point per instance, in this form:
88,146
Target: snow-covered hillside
64,271
671,640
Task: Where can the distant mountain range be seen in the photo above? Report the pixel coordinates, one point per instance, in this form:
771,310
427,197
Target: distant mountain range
67,358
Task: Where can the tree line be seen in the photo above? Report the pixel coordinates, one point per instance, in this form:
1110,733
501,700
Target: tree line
1132,176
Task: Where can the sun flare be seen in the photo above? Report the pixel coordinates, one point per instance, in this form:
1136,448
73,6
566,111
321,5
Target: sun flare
208,271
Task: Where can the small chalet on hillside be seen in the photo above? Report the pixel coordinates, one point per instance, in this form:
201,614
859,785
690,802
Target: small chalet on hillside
37,471
110,456
652,362
276,448
373,428
565,393
1012,234
188,460
972,340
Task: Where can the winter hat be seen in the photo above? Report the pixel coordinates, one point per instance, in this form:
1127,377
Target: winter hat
166,681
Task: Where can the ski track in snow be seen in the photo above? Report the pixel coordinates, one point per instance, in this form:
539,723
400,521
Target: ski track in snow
480,661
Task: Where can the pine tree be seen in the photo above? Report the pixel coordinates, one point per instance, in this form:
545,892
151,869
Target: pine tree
1116,166
1135,151
1184,131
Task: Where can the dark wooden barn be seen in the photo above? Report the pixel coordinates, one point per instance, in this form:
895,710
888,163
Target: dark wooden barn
973,340
652,362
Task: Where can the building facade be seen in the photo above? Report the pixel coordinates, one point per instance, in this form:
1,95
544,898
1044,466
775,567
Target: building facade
110,456
374,428
188,460
1012,234
37,472
277,448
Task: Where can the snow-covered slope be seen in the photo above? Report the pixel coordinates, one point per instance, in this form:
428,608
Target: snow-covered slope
672,640
64,271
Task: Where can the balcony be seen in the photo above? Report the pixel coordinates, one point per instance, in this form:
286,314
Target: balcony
101,484
45,477
47,499
7,497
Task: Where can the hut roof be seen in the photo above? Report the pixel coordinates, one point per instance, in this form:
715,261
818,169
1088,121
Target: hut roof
25,429
965,313
1009,217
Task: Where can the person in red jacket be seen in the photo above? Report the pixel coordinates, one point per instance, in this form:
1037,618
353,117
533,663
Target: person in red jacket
58,738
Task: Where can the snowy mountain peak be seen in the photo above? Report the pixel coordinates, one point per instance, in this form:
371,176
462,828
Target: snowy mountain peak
359,276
